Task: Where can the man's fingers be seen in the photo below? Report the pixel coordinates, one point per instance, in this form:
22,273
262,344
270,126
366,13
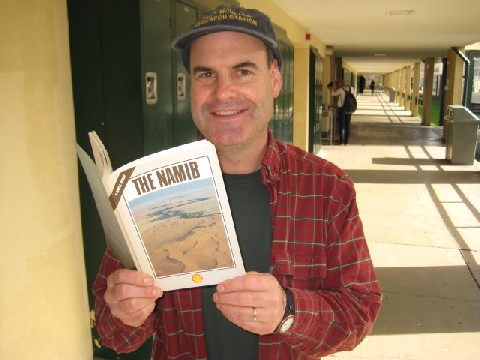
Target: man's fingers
133,305
241,298
251,281
243,313
256,320
133,277
137,317
126,291
253,301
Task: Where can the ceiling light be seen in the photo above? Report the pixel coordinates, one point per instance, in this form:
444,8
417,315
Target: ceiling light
382,54
400,12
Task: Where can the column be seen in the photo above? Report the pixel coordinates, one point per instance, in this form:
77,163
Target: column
427,91
300,120
44,308
415,88
408,87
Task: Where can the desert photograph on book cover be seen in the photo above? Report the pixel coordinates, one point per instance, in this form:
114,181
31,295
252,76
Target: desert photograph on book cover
182,228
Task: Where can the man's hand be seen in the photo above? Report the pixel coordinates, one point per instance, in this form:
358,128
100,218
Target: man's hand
255,302
131,296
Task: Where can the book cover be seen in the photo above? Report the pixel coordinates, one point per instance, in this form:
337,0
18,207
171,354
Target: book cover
172,216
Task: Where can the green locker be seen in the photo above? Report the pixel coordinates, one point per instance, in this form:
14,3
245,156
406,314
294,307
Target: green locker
282,120
156,75
124,86
185,131
287,51
315,101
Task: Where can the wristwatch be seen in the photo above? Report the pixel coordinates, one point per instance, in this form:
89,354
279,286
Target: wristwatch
289,315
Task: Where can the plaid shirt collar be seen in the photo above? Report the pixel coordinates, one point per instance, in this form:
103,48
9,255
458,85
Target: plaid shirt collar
271,162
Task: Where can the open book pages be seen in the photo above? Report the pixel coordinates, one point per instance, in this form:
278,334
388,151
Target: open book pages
173,212
114,235
100,155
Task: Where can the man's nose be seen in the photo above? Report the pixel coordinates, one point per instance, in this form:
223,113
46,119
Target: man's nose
225,87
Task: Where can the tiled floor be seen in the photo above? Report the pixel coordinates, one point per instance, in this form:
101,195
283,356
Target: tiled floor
422,220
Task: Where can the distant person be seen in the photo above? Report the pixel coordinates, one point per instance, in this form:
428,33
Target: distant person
311,289
344,120
372,87
362,84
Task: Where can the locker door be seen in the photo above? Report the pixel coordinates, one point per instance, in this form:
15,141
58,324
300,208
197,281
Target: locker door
156,75
184,128
315,101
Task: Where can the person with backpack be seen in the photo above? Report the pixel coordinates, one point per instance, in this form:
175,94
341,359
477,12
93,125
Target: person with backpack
344,112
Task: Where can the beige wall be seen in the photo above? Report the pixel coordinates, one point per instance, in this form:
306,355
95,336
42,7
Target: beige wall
295,31
453,95
44,306
301,98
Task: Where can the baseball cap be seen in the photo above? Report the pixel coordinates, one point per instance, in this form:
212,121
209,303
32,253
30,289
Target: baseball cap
229,18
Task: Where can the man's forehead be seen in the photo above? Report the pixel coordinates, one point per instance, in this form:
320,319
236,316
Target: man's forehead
228,46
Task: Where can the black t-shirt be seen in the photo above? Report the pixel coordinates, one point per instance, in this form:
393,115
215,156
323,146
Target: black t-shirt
250,204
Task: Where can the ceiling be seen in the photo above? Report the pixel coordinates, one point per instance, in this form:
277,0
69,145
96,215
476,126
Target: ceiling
377,37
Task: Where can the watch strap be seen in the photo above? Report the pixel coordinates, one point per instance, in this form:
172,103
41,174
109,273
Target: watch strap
289,309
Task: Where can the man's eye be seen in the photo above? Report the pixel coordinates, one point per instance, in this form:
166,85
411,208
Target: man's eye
244,72
206,75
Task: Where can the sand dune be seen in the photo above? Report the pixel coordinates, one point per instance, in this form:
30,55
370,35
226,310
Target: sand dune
187,242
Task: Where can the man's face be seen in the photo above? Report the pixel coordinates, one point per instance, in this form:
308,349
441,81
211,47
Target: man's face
232,88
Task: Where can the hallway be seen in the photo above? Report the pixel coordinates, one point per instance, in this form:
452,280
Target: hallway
422,221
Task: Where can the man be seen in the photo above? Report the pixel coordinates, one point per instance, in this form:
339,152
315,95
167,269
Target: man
344,119
311,289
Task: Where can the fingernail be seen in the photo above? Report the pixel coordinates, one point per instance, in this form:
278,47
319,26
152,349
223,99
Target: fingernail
220,288
215,297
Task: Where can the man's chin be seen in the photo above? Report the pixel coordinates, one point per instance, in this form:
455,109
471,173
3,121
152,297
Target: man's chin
224,144
226,140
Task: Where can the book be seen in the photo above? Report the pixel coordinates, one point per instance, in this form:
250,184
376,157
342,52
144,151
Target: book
167,214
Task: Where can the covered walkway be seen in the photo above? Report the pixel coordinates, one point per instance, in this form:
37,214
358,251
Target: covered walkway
422,221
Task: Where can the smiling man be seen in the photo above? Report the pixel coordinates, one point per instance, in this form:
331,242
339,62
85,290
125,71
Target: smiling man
311,289
233,87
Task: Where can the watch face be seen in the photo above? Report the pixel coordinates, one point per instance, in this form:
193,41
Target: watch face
286,324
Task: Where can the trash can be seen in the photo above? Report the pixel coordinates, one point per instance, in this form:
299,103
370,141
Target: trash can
392,95
460,132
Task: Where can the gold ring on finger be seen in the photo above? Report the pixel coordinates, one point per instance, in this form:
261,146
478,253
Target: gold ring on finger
254,316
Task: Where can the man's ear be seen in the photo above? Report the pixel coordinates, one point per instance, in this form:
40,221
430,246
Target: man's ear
276,79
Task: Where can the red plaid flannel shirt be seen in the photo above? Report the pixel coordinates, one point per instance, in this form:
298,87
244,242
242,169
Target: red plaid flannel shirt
318,250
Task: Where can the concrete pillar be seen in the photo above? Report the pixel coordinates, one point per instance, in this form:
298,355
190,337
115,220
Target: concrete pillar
408,87
300,100
44,308
338,68
427,91
332,68
454,89
415,88
402,86
355,82
326,77
389,80
397,85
